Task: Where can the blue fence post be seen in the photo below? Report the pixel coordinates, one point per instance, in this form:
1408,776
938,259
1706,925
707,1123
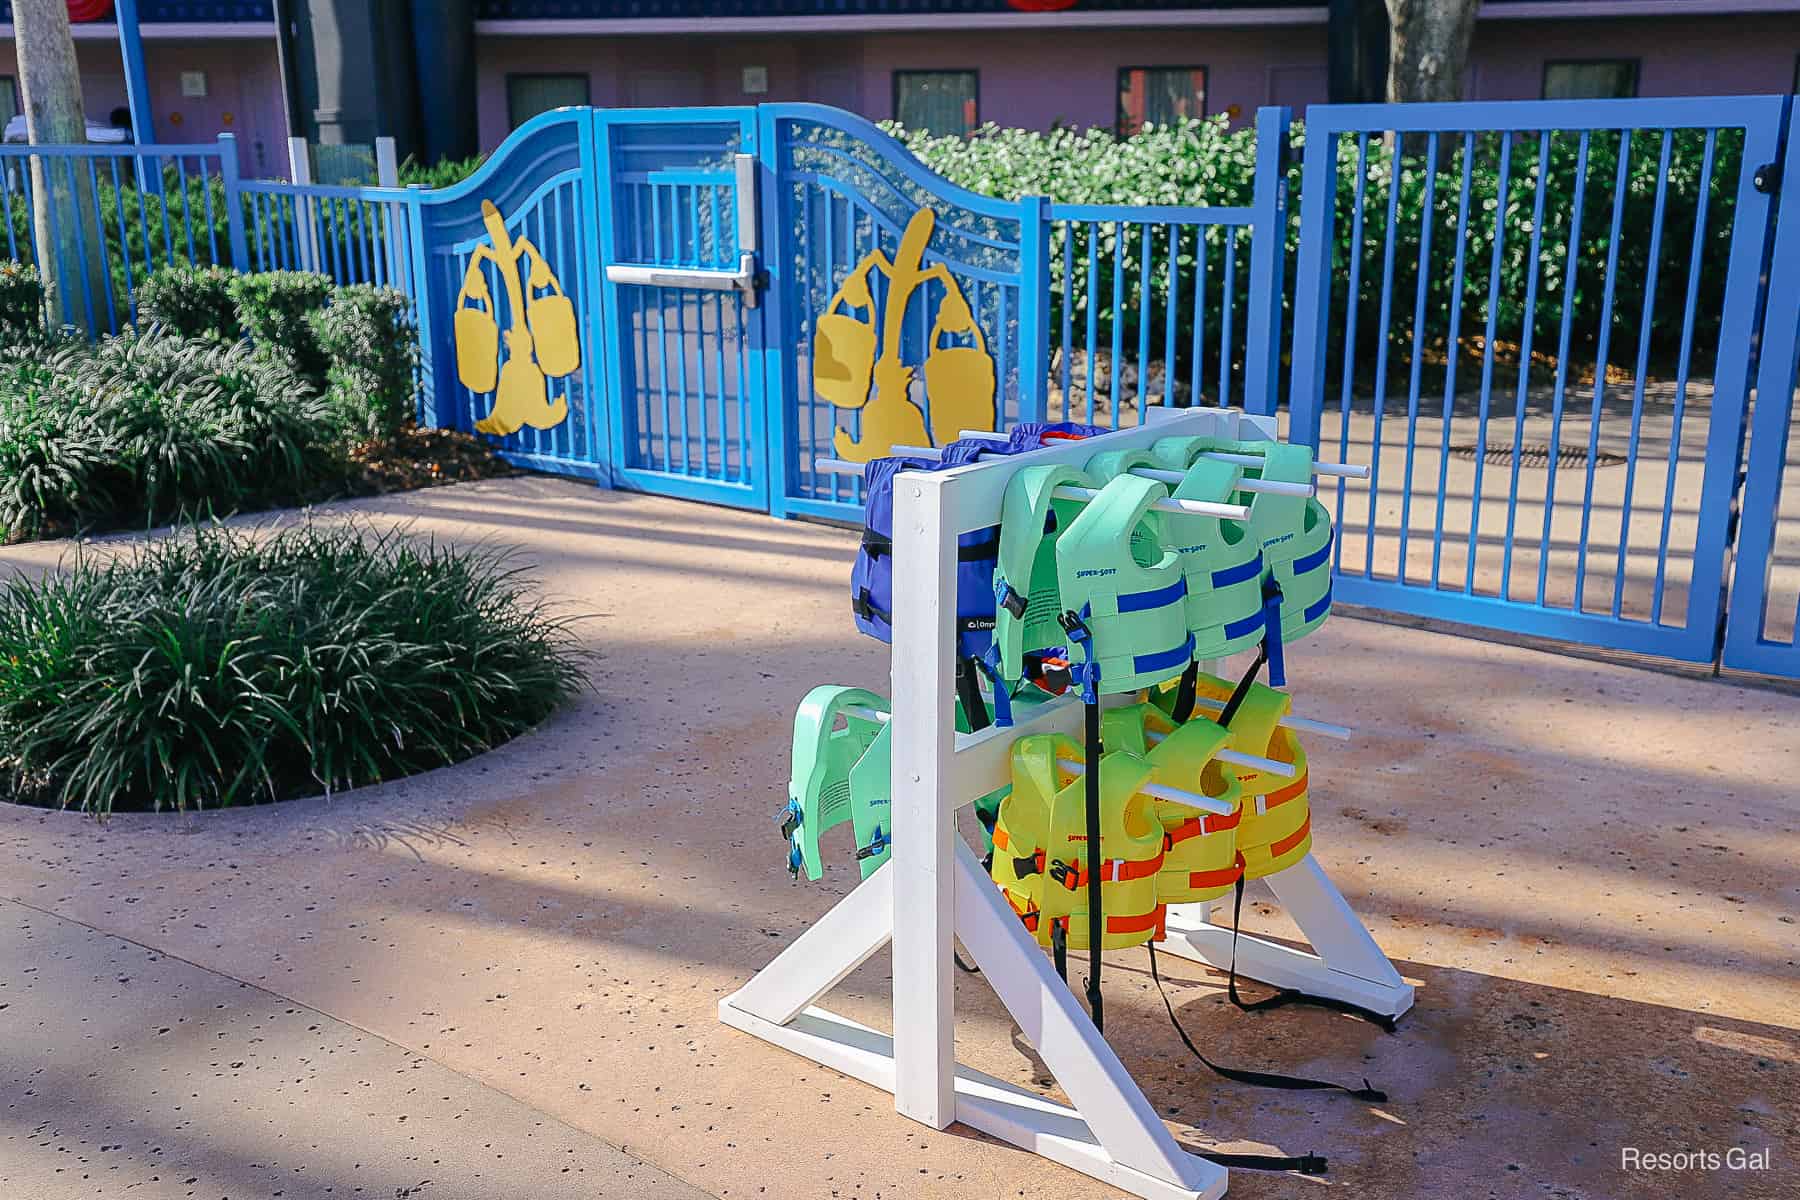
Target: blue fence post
1268,262
1312,287
421,290
1034,310
234,204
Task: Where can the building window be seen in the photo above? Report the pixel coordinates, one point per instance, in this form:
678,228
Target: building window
1591,79
1160,96
939,102
9,100
529,95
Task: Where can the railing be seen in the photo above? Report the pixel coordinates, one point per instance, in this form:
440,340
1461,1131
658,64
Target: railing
122,213
1534,321
354,235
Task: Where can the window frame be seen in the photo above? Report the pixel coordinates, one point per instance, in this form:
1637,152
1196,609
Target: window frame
1119,89
12,86
587,91
1636,65
973,73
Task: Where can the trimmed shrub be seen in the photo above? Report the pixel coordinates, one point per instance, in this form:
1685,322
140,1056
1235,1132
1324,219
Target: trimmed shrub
190,302
229,668
372,345
140,429
21,303
275,307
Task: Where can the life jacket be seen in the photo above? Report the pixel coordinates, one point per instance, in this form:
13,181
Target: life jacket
1223,564
1029,608
1123,591
1295,535
1200,859
1040,853
1032,435
1276,830
824,757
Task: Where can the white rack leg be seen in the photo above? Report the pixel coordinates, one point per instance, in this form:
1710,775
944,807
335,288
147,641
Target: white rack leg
1345,963
815,962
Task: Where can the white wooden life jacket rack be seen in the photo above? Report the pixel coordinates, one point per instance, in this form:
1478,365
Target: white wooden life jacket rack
934,890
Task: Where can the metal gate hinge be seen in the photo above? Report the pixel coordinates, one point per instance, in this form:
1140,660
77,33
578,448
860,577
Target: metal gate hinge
1767,178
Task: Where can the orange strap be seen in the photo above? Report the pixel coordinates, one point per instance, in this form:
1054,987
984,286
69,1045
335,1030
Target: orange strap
1028,914
1292,791
1195,827
1112,871
1151,921
1277,849
1223,877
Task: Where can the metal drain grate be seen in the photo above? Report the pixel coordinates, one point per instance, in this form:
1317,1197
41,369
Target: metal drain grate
1538,455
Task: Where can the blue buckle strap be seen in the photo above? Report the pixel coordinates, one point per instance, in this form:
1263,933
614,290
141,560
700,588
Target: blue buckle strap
990,664
1238,574
1271,616
1087,673
878,844
1158,598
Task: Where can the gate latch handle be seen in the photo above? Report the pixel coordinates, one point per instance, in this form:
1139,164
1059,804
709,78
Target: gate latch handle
747,281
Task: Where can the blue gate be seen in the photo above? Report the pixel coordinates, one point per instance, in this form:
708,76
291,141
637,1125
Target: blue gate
1765,590
678,239
1496,371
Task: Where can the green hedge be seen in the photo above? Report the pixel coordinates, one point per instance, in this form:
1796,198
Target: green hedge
191,302
1206,163
368,337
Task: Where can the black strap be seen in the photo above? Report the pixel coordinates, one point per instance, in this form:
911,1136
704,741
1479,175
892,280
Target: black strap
1096,918
1243,686
876,544
1286,996
968,691
1306,1164
1187,694
963,966
1266,1079
1059,948
862,605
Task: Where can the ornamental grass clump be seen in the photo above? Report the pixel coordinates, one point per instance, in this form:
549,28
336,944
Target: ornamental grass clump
231,668
141,429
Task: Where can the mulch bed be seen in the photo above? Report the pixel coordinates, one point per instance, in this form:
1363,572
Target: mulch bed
421,458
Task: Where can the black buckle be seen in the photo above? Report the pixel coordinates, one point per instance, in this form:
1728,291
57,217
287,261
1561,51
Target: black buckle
1073,625
878,844
1063,873
1011,601
1025,868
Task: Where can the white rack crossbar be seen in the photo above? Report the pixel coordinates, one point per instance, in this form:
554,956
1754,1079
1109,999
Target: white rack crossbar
933,891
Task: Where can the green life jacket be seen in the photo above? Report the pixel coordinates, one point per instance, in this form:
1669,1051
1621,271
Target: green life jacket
1123,591
1028,609
1223,565
824,757
1295,535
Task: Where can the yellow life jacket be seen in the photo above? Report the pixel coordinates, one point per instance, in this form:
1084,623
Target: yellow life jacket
1040,844
1200,858
1276,830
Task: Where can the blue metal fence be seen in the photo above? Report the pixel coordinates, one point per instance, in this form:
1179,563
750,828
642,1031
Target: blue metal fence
1536,322
1538,333
121,213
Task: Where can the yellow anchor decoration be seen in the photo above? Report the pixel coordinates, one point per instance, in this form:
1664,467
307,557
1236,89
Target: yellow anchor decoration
959,380
545,345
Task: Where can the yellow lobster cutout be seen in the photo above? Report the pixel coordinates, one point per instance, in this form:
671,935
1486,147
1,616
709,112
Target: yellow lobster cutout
959,380
542,342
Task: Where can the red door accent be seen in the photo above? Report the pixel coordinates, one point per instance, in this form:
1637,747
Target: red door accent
89,10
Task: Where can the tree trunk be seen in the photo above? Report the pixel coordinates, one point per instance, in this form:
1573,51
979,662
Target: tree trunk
67,237
1428,48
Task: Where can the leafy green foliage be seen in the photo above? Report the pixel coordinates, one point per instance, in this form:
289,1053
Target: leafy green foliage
275,308
368,337
229,668
442,173
190,302
21,303
139,429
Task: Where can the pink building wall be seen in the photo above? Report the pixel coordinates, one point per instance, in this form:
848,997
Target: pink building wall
243,79
1038,77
